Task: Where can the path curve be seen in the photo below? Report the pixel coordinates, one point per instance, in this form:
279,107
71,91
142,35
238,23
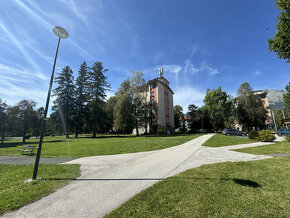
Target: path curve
108,181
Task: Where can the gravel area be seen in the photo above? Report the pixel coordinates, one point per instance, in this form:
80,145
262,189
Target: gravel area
14,160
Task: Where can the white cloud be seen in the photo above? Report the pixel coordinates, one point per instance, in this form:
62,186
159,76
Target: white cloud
257,73
187,95
189,68
175,69
78,10
210,70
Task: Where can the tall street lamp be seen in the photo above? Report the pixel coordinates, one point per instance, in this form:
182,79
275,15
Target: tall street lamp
61,33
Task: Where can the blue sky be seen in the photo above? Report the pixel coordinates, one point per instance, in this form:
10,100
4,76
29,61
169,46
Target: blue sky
200,44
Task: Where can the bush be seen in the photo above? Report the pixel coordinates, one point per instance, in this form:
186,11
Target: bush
253,134
266,136
288,138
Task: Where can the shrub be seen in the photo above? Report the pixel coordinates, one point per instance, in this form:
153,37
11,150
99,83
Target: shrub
253,134
266,136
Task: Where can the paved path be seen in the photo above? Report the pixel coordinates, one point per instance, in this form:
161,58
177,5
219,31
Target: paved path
108,181
15,160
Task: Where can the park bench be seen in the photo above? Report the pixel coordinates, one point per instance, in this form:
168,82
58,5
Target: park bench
27,148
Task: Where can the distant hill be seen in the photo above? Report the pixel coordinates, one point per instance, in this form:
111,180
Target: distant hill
275,98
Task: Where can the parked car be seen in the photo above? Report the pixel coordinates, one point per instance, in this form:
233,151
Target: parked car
281,132
233,132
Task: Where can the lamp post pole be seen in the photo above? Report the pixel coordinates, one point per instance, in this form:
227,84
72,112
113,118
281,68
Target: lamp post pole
61,33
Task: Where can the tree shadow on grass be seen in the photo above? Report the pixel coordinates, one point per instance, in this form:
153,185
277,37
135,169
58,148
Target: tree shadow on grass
243,182
15,144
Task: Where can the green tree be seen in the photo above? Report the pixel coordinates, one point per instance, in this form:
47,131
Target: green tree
178,113
278,115
37,121
3,109
25,115
218,105
195,121
250,111
286,98
138,92
13,121
97,87
81,98
123,119
65,98
109,109
280,43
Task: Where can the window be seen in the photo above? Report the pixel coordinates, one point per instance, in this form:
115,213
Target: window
152,93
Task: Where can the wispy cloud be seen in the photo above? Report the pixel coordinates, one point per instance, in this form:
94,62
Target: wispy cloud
257,73
210,70
188,95
22,49
48,25
78,10
189,68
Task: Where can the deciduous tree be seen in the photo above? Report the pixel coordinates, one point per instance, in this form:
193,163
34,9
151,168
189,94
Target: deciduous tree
286,98
218,106
280,43
3,110
250,111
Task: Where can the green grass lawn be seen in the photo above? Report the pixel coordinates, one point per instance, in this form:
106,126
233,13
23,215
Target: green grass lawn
14,193
277,148
220,140
239,189
103,145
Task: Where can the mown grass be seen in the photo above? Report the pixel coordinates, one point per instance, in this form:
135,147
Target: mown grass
102,145
277,148
15,193
239,189
220,140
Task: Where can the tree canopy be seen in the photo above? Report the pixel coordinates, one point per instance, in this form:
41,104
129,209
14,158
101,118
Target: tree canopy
250,111
218,107
280,43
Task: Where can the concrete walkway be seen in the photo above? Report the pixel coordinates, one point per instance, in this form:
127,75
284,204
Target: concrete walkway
108,181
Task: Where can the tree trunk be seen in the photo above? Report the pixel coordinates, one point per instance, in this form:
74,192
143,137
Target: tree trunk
94,130
137,130
123,131
77,133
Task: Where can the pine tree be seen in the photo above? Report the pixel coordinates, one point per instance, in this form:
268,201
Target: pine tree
81,97
97,87
65,98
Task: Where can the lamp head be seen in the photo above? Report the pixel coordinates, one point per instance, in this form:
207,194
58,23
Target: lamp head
60,32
